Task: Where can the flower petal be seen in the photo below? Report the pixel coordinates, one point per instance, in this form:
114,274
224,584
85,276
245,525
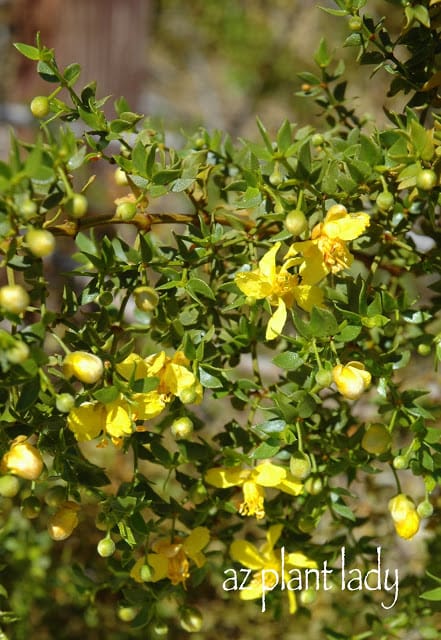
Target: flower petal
276,322
268,474
224,477
118,421
290,485
87,421
247,554
159,564
197,540
308,297
346,226
252,284
267,264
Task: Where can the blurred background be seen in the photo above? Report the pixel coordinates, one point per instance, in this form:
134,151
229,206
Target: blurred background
209,63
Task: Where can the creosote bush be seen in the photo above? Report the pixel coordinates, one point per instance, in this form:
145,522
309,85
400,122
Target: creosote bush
224,395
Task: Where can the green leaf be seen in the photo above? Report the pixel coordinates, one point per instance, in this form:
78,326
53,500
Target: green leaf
433,594
27,50
139,158
343,510
47,73
197,286
209,381
271,426
265,450
322,56
72,73
284,136
107,394
28,395
288,360
322,323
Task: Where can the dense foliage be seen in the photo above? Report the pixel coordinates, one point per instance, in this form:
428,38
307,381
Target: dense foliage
225,379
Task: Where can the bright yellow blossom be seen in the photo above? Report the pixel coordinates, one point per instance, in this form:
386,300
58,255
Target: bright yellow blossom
268,566
252,482
175,377
171,557
351,379
280,287
404,515
326,251
115,418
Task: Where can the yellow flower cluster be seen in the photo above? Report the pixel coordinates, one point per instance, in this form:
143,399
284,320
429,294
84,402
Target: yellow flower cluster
326,252
404,515
252,482
117,418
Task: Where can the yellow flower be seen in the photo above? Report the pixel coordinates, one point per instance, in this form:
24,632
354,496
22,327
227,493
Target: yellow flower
327,251
252,482
280,287
115,418
351,379
404,515
175,377
268,559
22,459
87,367
64,521
171,557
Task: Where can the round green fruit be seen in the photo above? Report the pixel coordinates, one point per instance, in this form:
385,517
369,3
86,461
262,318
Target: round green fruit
146,298
314,485
426,180
77,205
28,209
300,466
425,509
9,486
18,354
296,222
40,106
127,614
64,402
31,507
40,242
385,201
376,439
182,427
323,377
400,462
14,298
106,547
126,211
191,619
424,349
55,496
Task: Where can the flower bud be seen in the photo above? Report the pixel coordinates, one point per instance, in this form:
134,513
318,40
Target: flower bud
404,515
87,367
351,379
40,242
23,459
64,521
